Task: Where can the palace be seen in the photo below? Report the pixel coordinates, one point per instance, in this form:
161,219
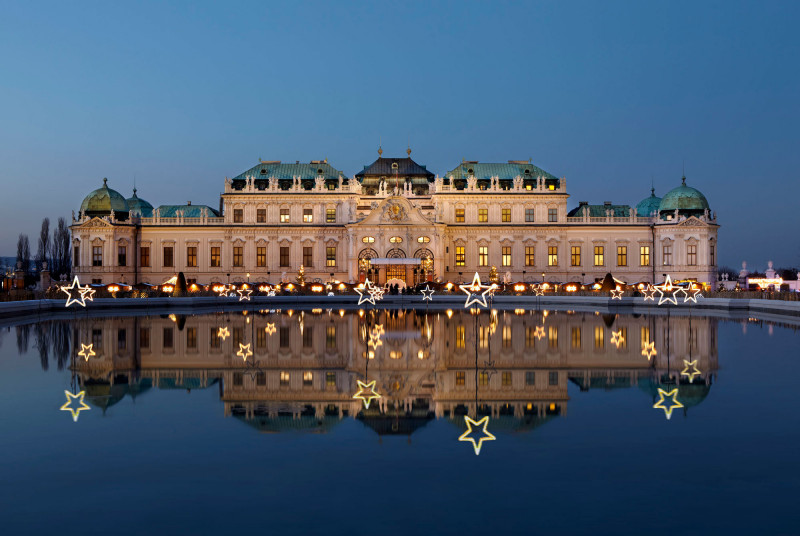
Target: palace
394,221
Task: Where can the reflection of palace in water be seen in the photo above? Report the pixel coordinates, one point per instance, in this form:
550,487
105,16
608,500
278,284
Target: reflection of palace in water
304,365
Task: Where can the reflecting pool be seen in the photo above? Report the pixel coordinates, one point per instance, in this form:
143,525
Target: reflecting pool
399,422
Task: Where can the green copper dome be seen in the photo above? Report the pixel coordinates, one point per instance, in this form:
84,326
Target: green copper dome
140,206
648,205
103,200
685,199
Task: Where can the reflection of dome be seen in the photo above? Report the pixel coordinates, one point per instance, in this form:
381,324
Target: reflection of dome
689,394
103,200
103,394
685,199
648,205
140,206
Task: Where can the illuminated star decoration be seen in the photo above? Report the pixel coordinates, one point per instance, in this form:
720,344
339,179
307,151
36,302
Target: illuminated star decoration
539,334
617,339
482,424
375,338
78,407
473,289
244,351
222,290
538,290
616,294
691,294
376,292
690,373
649,350
366,392
427,293
270,329
675,403
244,294
86,351
77,294
667,288
223,333
365,294
649,292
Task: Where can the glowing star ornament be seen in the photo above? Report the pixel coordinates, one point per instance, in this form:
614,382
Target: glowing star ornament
538,290
366,393
472,291
365,294
539,333
270,329
376,293
77,294
86,351
244,294
244,351
690,369
485,435
667,288
617,293
427,293
75,404
617,339
649,293
691,294
223,333
377,329
222,290
674,402
374,341
649,350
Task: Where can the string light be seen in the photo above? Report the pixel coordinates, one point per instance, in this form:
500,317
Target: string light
244,351
675,403
366,393
486,436
427,293
78,294
649,350
690,373
86,351
75,410
473,289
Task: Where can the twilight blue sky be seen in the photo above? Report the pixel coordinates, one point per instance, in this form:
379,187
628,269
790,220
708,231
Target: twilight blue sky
608,94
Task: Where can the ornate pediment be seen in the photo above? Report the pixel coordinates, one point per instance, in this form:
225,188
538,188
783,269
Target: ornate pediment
395,210
693,221
95,223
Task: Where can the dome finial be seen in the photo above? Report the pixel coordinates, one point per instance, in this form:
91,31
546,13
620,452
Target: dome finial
105,181
380,151
683,181
408,151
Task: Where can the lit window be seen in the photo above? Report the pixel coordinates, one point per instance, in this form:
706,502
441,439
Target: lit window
261,215
667,255
308,216
330,337
530,256
461,377
330,215
506,379
552,337
238,256
238,215
368,239
330,256
284,378
330,379
483,378
644,255
483,215
506,336
459,215
505,215
460,256
191,256
599,256
424,239
506,252
215,256
396,239
691,255
461,338
261,256
575,257
483,256
552,214
552,255
285,215
622,255
529,214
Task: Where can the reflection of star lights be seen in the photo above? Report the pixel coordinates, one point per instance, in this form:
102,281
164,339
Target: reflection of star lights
649,350
75,409
377,329
667,288
86,351
482,424
366,392
374,341
427,293
244,294
675,403
223,333
617,293
365,294
649,293
244,351
617,339
473,289
77,294
690,373
539,333
270,329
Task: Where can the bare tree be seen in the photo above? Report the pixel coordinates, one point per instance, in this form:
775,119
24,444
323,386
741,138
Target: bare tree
60,250
43,255
23,252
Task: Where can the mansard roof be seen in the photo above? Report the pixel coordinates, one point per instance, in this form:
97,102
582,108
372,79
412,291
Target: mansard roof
406,167
312,170
508,171
189,211
599,211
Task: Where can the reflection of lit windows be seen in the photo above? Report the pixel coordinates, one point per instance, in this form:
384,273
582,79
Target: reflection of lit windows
530,337
238,379
644,334
168,342
214,338
460,256
144,337
461,338
553,378
530,378
576,338
624,336
506,379
261,378
122,339
506,336
461,378
283,334
237,337
395,354
261,338
599,337
191,338
330,379
483,337
308,377
284,378
330,337
483,378
552,337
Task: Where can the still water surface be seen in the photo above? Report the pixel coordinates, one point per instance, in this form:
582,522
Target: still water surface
210,423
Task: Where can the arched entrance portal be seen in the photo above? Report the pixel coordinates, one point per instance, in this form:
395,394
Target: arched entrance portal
364,268
396,271
423,272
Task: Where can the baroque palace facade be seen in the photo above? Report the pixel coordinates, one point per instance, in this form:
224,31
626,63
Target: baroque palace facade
394,221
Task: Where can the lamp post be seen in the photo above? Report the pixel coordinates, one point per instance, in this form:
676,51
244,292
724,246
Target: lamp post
542,277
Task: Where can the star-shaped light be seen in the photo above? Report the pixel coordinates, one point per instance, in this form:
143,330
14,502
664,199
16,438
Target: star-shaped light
649,350
374,341
675,403
538,290
691,294
223,333
77,294
486,436
270,329
366,392
244,294
539,332
271,293
617,339
365,294
472,291
617,293
86,351
222,290
244,351
75,404
690,370
649,293
667,288
427,293
376,292
377,329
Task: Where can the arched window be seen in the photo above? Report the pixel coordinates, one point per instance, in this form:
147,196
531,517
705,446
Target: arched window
424,239
368,239
396,240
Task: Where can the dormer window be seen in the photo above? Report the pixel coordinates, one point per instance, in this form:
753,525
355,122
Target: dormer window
263,171
394,165
527,172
